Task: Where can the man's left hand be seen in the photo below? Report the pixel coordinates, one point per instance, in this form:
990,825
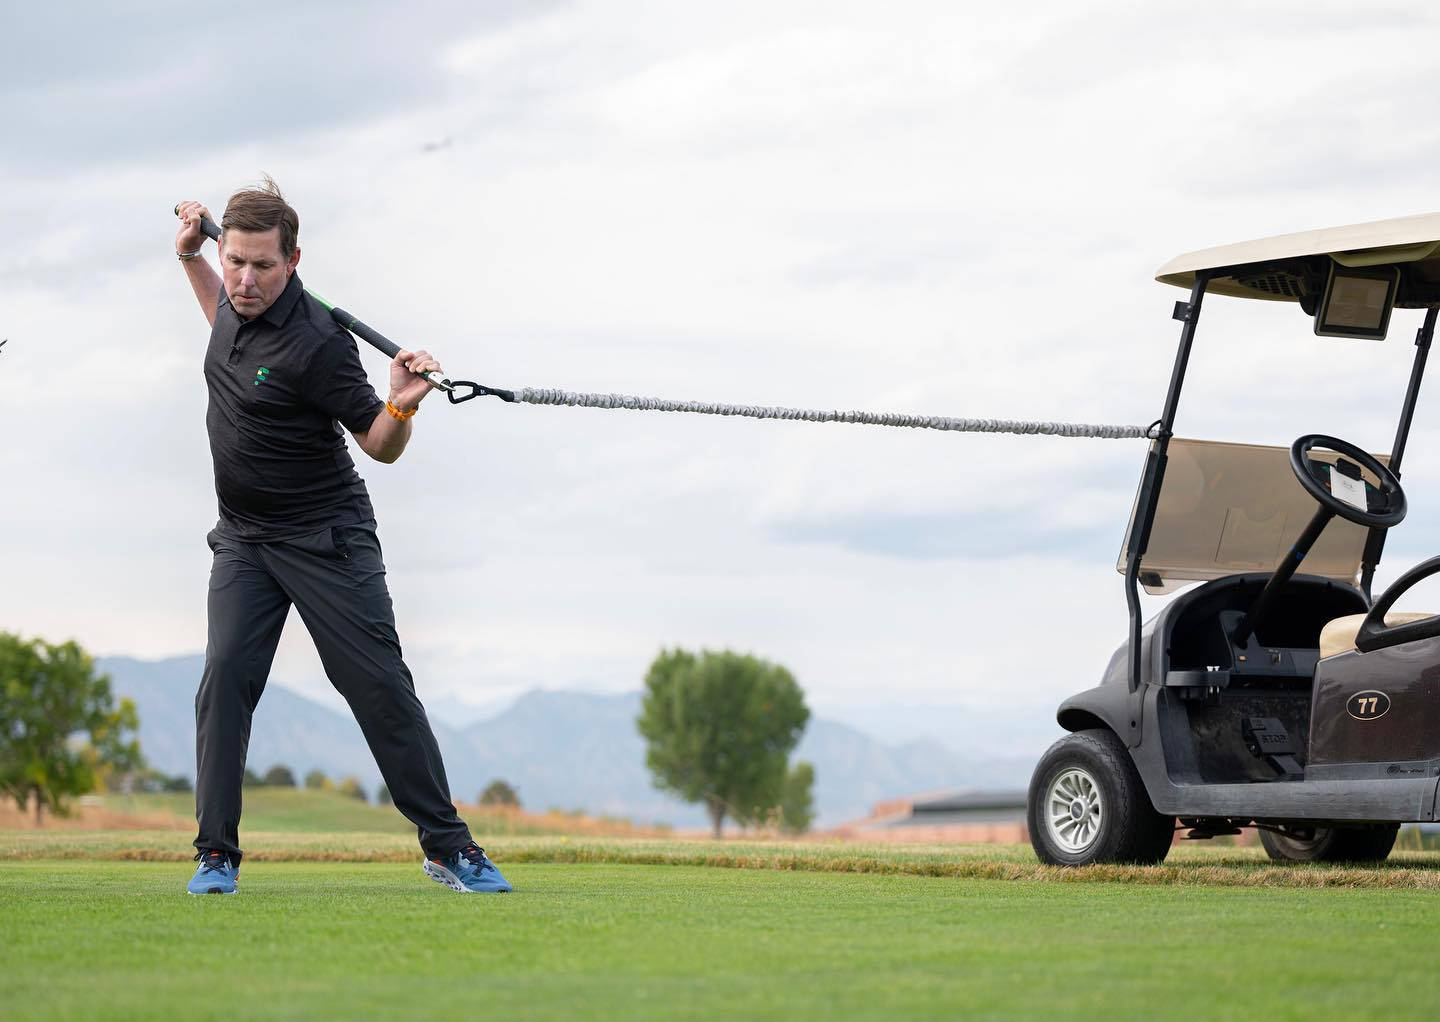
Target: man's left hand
408,385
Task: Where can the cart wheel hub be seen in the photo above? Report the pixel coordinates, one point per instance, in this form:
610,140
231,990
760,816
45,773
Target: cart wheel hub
1074,810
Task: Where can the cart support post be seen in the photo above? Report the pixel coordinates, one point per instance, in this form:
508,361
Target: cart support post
1375,543
1149,495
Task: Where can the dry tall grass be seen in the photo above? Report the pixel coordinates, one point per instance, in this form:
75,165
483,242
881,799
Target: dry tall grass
89,813
1188,867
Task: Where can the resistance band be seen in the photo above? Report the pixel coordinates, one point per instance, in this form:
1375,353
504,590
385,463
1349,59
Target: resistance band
463,390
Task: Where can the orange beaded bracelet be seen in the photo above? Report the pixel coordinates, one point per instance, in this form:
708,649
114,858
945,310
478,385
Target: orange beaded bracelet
397,413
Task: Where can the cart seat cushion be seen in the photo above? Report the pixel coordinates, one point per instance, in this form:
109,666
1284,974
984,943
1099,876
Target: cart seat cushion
1339,635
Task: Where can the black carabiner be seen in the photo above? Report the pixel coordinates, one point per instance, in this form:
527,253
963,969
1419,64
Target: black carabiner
477,390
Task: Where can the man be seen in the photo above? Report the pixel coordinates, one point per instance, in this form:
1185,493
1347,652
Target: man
296,526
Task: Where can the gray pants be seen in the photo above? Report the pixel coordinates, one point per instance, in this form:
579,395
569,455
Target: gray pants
336,579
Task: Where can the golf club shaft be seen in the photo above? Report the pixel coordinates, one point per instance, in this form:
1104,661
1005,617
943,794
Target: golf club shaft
349,322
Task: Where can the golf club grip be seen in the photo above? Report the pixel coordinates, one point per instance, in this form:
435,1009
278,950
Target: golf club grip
209,227
364,332
385,344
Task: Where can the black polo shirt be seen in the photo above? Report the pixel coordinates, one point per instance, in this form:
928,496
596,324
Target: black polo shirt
281,387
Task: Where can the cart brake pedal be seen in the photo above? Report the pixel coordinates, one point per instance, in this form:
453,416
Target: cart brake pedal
1267,739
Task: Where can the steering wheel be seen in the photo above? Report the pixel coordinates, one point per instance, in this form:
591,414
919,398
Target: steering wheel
1392,497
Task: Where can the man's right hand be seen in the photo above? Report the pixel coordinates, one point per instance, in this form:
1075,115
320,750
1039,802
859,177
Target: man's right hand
202,276
190,238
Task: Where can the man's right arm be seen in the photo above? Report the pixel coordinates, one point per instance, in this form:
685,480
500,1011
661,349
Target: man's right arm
204,281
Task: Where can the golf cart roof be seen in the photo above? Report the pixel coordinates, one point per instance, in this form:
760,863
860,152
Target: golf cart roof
1274,269
1229,508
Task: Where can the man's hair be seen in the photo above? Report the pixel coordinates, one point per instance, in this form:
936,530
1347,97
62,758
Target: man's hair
259,209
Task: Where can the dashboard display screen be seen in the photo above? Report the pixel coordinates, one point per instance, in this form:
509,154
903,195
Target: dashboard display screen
1357,302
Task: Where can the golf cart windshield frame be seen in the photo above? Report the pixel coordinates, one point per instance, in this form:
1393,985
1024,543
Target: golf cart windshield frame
1147,499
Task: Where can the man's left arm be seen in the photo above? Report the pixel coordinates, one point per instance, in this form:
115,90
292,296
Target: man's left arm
386,437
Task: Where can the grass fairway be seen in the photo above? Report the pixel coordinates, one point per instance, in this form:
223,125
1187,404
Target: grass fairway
118,940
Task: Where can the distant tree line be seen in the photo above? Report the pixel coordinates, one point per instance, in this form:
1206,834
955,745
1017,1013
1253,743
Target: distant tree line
281,776
149,781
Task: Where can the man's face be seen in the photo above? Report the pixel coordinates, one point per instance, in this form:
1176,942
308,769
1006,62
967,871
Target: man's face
255,272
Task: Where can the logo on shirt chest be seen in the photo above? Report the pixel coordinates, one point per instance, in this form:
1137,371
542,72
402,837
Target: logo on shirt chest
261,375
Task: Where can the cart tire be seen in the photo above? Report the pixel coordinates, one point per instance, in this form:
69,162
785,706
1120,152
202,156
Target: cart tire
1332,844
1109,817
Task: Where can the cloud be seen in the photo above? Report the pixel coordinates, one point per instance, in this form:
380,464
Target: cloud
142,81
920,207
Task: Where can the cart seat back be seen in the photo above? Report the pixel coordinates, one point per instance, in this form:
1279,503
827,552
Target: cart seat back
1339,635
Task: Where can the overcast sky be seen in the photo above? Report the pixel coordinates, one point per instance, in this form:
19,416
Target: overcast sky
942,208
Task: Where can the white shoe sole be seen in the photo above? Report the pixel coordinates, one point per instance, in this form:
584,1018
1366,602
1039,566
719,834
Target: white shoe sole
441,875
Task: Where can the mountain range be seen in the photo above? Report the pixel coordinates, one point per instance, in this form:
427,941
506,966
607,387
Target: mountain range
559,749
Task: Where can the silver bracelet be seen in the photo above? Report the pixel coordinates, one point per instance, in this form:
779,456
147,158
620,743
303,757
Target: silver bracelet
187,256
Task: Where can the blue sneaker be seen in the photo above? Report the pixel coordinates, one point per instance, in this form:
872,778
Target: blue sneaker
468,871
214,875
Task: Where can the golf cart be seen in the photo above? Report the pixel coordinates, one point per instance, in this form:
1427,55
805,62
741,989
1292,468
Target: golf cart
1277,694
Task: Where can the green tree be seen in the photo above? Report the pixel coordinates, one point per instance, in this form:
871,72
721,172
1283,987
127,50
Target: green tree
352,787
500,793
316,780
797,807
250,779
48,696
382,796
719,729
279,776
